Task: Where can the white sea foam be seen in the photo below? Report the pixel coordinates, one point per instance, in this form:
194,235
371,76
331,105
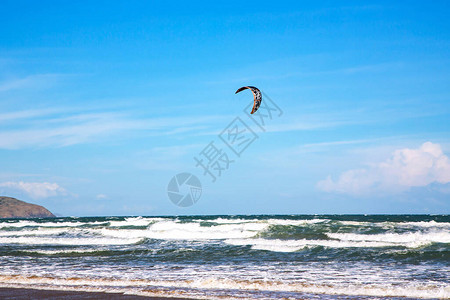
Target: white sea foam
162,229
421,224
23,223
411,239
347,240
194,231
424,224
234,231
272,221
205,286
199,280
67,241
296,222
34,232
158,228
229,221
296,245
56,252
357,223
134,221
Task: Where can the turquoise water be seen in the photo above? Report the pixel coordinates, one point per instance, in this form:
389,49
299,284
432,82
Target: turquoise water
236,257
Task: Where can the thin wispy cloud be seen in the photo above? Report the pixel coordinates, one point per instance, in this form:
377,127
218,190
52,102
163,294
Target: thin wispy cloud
47,128
61,134
168,158
278,74
308,125
32,81
26,114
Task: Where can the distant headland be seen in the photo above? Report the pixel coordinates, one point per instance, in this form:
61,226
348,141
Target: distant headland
13,208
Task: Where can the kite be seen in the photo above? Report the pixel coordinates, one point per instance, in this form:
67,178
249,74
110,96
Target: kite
256,95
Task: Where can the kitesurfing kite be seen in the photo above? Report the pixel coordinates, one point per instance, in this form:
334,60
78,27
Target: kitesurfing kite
256,95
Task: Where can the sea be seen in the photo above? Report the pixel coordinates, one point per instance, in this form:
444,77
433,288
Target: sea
232,257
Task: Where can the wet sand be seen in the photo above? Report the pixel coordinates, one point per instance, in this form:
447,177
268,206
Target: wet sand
20,293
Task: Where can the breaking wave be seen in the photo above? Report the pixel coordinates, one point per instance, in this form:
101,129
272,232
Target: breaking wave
248,257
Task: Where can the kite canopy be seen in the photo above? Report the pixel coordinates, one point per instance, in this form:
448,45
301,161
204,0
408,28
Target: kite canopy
257,97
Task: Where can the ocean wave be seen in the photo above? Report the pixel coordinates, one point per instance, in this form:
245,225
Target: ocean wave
410,239
194,231
277,245
424,224
221,220
270,221
68,241
389,224
284,235
207,287
346,240
58,252
134,221
23,223
33,232
297,222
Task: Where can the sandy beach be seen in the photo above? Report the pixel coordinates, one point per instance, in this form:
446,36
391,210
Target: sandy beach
20,293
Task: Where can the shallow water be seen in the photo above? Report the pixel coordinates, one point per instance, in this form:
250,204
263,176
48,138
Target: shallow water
254,257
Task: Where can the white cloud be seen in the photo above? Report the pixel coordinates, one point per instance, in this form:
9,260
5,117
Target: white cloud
36,190
101,196
406,168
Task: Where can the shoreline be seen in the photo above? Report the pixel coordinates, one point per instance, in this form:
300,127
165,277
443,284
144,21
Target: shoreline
30,293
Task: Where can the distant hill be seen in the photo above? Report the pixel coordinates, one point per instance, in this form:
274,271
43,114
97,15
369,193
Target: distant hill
13,208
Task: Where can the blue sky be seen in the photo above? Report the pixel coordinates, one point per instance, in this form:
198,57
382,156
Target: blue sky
101,104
